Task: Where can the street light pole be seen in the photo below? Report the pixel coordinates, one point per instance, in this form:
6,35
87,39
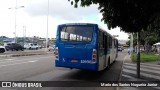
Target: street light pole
138,54
47,27
24,34
131,43
15,39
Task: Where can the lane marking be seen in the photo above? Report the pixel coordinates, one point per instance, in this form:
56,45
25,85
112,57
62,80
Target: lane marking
6,59
143,66
9,59
144,69
18,63
13,60
33,61
142,74
132,78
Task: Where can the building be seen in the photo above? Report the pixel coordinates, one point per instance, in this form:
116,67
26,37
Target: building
22,40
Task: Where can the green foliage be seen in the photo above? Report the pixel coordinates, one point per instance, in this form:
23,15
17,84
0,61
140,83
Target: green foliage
130,15
134,40
128,43
150,57
149,37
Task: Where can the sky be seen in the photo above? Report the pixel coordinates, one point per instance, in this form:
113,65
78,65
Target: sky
32,19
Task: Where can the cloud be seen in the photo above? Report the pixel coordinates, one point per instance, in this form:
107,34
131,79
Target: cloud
60,9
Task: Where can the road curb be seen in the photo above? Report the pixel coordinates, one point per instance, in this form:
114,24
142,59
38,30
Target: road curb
122,66
27,54
119,88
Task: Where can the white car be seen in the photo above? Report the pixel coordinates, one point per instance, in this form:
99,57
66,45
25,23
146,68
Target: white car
51,48
31,46
2,49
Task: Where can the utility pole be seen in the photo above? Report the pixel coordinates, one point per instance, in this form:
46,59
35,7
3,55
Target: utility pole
131,43
138,54
16,7
15,39
47,27
24,34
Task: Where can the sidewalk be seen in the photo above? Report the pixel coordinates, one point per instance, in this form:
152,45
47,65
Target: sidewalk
148,72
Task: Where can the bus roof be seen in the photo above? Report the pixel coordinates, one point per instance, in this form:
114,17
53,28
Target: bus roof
78,24
105,31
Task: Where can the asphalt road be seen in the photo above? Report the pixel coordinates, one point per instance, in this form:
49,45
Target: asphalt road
41,68
24,51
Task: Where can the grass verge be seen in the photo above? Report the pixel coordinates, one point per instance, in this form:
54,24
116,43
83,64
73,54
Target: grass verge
144,57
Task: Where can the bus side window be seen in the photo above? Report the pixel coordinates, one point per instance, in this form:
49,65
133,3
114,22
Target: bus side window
107,41
110,42
115,43
101,40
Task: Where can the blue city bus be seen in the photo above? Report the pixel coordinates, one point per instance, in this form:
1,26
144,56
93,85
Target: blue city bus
84,46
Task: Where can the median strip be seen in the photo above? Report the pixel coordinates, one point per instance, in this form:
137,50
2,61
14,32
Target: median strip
25,54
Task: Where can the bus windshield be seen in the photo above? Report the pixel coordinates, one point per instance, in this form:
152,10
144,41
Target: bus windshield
76,33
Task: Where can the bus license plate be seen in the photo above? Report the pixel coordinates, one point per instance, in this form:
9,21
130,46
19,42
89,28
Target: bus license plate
74,60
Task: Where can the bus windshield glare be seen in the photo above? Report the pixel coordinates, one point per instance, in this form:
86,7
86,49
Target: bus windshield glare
76,33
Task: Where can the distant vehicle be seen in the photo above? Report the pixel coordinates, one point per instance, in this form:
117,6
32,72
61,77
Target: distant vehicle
120,49
31,46
84,46
2,49
51,48
14,46
141,50
39,47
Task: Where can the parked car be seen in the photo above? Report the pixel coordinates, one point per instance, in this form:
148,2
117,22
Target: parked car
31,46
2,49
51,48
14,46
39,46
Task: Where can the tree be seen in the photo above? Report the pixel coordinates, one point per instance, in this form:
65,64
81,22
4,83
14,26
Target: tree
130,15
147,39
134,40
